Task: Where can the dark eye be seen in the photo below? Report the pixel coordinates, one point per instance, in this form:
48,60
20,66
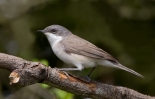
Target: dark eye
53,31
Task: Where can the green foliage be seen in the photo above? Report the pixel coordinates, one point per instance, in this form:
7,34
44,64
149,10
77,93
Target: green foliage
43,61
44,86
62,94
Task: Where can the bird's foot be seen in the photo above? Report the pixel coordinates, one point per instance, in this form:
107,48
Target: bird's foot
60,69
85,79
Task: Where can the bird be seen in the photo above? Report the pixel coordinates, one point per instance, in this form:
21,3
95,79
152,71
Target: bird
79,52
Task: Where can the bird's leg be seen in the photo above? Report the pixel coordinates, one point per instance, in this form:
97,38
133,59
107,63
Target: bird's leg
68,69
87,77
90,72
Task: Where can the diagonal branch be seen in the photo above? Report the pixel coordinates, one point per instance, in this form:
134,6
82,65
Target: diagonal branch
25,73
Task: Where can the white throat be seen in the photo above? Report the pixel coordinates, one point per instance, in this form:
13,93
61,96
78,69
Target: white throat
53,39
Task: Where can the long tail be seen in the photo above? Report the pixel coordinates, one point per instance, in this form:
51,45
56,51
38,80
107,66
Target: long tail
129,70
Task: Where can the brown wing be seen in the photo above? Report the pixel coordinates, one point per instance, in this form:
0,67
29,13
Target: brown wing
85,48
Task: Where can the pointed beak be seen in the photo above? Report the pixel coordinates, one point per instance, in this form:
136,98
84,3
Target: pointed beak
41,31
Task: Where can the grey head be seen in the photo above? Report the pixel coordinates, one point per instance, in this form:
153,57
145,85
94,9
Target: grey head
57,30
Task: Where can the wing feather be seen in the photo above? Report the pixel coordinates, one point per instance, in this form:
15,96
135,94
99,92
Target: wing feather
85,48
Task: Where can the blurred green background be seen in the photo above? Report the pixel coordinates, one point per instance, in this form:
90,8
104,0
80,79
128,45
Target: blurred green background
123,28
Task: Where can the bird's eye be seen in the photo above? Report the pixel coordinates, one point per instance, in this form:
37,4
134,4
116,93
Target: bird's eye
53,31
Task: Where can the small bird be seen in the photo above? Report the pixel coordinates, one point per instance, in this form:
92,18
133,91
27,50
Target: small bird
78,52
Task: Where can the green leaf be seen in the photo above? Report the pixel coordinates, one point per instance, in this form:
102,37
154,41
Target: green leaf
44,85
43,61
63,94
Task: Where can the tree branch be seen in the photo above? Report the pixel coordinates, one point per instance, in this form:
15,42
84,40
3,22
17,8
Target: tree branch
25,73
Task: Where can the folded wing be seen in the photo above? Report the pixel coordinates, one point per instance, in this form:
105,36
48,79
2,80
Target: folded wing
85,48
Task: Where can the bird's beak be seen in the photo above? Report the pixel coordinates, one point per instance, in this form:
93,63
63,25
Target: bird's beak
41,31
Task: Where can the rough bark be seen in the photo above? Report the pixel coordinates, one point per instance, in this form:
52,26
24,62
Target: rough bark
25,73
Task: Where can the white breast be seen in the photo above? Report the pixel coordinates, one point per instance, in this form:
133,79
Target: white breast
72,59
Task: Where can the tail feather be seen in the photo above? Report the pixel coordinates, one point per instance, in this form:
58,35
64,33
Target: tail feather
129,70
